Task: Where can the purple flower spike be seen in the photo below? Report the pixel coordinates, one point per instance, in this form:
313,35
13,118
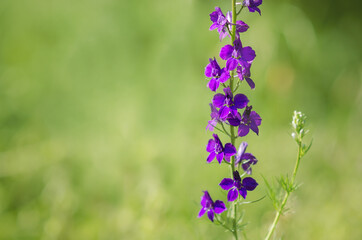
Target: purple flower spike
216,149
216,74
207,205
245,159
253,5
250,120
236,186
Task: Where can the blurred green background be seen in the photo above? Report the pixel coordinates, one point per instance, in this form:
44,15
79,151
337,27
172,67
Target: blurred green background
103,108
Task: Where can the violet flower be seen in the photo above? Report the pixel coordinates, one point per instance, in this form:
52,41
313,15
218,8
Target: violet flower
245,159
229,102
236,54
244,73
253,5
219,22
218,75
216,149
207,205
217,116
223,24
236,186
250,120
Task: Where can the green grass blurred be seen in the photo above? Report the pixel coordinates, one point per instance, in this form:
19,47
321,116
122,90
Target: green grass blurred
103,108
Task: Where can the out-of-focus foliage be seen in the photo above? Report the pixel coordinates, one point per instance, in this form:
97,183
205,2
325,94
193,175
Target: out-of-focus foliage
103,109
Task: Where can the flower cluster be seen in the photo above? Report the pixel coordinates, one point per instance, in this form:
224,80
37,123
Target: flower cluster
229,109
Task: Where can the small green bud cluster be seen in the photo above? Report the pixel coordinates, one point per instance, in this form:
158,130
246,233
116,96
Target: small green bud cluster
298,124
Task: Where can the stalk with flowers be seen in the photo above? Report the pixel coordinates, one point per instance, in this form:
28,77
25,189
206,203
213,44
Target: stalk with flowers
232,115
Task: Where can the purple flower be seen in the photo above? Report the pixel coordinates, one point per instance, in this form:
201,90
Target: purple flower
245,159
250,120
217,116
207,205
223,24
219,22
216,149
243,72
216,74
236,186
253,5
237,54
228,102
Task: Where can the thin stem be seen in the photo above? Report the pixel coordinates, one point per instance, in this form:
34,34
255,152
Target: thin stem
232,137
223,131
240,10
222,125
285,199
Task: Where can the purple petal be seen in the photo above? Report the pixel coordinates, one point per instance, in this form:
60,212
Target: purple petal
227,183
210,215
202,212
250,82
239,71
249,183
224,112
215,15
234,121
211,157
208,70
241,26
219,157
210,147
243,130
240,101
211,124
254,128
226,52
219,206
241,152
256,118
205,199
243,192
225,75
248,54
236,176
231,64
229,150
232,194
218,100
213,84
213,26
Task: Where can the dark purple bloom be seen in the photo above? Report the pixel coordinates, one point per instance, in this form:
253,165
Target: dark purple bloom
236,186
237,54
216,149
207,205
243,72
245,159
228,102
253,5
250,120
218,75
241,26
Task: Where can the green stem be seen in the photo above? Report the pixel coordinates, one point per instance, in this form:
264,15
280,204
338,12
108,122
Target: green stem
232,135
286,196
